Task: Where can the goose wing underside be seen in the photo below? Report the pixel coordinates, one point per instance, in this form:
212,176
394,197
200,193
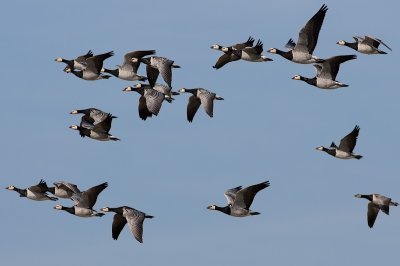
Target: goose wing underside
372,214
230,194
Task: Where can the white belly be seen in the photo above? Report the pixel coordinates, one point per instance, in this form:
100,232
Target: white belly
343,155
35,196
83,212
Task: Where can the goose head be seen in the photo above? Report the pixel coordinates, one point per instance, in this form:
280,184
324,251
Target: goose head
341,42
320,148
212,207
58,207
75,127
105,209
272,50
216,47
10,187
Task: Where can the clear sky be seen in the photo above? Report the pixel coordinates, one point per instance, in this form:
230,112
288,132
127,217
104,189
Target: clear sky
266,129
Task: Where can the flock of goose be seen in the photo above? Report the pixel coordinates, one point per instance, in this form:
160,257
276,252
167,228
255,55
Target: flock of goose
96,124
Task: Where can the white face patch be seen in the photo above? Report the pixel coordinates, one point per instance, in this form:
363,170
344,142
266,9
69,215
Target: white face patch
139,85
127,89
272,50
73,112
297,77
105,209
10,187
182,90
59,59
74,127
341,42
320,148
58,207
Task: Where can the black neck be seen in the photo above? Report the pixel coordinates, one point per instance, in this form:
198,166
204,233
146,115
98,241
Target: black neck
288,55
79,74
352,45
84,111
22,192
71,210
114,72
118,210
70,63
192,91
225,209
329,151
312,81
52,190
368,197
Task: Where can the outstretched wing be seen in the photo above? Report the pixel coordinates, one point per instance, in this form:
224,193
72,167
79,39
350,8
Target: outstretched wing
348,143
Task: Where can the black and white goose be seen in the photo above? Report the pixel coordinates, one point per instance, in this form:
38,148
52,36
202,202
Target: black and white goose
240,200
78,63
93,115
98,131
64,190
326,73
129,215
252,54
84,202
94,65
156,65
200,97
164,89
128,69
367,45
377,203
228,56
346,146
37,192
150,100
302,51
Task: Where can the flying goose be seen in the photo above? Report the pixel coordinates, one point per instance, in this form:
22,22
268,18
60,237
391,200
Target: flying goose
129,215
93,115
94,65
78,211
128,69
228,56
200,97
252,54
63,190
164,89
78,63
156,65
87,199
377,202
326,73
367,45
99,131
37,192
240,200
302,52
84,202
150,100
346,146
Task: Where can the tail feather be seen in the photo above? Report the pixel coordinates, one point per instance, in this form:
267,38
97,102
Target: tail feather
254,213
114,138
148,216
358,157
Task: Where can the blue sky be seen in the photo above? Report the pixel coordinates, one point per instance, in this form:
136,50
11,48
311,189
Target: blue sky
266,129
